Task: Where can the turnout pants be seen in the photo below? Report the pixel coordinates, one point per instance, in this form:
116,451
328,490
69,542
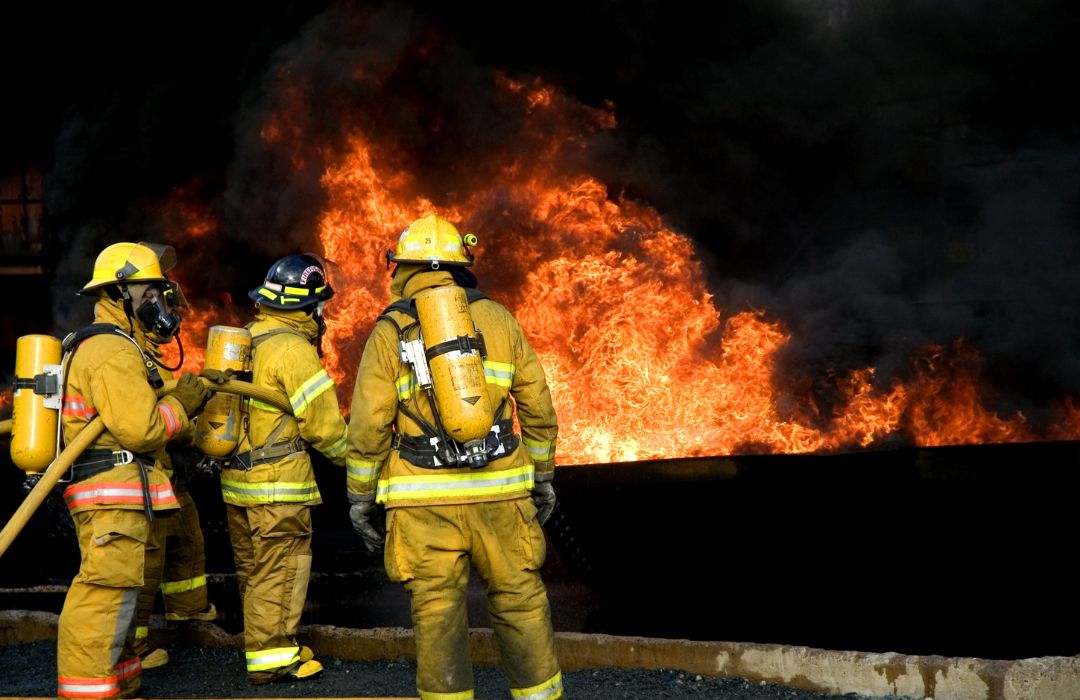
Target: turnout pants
430,548
94,653
175,565
272,549
152,570
183,583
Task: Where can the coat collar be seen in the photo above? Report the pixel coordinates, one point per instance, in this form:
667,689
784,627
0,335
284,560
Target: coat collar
410,280
301,321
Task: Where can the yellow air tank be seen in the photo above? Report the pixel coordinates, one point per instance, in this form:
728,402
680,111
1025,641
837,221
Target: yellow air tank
454,360
217,429
35,409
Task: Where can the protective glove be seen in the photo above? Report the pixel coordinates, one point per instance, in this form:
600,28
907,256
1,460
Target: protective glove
191,393
208,467
360,513
543,495
218,376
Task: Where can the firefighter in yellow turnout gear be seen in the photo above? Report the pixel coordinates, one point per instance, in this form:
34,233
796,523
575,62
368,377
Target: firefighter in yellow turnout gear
175,565
175,553
269,487
450,507
117,484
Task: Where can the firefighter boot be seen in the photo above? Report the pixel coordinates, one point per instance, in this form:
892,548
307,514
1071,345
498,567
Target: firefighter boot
305,670
157,657
210,613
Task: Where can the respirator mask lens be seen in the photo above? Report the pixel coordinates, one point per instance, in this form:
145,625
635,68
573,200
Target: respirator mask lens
155,312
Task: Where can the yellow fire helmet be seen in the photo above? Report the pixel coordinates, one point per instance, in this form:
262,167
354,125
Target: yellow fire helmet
131,263
432,239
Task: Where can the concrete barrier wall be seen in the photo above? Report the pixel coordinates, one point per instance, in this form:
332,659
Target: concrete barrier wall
821,671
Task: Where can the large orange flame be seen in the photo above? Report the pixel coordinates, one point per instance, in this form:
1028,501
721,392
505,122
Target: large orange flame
641,362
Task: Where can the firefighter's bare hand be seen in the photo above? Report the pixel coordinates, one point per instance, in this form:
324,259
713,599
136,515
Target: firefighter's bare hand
361,514
543,496
191,393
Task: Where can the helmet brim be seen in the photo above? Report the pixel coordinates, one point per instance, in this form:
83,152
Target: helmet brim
266,297
434,263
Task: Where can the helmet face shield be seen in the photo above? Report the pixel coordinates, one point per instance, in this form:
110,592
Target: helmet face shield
174,295
166,255
130,263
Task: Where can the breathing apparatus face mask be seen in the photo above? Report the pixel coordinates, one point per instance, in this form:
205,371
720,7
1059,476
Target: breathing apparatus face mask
155,312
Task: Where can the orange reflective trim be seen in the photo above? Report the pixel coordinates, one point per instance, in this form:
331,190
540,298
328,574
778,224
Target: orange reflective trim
172,423
128,668
72,687
75,405
104,493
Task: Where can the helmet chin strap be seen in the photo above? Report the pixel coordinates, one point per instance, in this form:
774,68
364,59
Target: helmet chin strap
129,308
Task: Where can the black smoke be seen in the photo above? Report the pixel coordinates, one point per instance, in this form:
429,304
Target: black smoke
879,174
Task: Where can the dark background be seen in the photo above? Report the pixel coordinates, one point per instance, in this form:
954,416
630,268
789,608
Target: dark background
878,174
952,551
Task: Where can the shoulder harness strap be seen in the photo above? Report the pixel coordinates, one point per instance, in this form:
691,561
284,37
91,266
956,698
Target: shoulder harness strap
271,450
259,339
72,340
407,305
428,450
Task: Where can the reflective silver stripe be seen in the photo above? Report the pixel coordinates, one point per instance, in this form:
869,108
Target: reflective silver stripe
406,386
499,373
540,450
550,688
403,488
188,584
309,390
172,422
362,469
243,493
79,495
339,446
104,688
271,658
125,615
76,496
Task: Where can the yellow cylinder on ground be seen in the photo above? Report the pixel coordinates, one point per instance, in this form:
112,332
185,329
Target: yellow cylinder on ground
217,429
457,368
34,425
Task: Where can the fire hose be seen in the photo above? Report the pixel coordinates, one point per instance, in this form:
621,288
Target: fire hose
93,429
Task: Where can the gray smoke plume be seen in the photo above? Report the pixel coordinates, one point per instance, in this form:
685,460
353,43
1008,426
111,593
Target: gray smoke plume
877,175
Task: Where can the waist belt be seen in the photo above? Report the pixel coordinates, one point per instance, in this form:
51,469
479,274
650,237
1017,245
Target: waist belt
427,452
93,462
268,454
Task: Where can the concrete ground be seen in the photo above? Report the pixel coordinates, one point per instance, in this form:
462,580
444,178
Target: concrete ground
207,663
